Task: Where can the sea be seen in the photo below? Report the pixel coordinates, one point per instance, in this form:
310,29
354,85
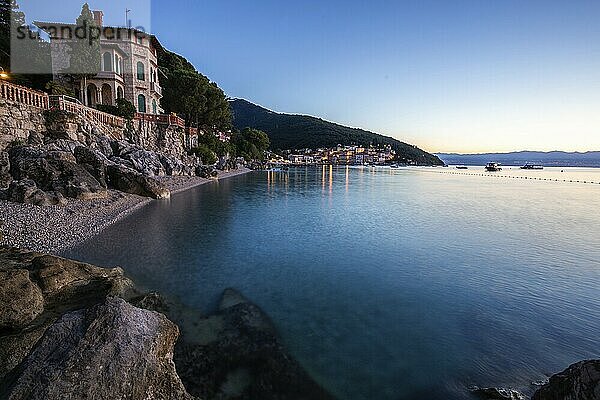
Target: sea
385,283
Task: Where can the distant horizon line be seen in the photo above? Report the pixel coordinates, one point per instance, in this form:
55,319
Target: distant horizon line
515,152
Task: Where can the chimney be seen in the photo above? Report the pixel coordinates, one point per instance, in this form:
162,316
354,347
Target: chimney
98,17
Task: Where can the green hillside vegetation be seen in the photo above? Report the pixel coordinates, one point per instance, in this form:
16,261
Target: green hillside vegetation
293,132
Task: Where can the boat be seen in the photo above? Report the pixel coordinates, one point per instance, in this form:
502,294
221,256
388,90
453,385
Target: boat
394,166
532,166
493,166
461,167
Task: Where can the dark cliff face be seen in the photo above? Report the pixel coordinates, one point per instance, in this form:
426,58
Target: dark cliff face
288,131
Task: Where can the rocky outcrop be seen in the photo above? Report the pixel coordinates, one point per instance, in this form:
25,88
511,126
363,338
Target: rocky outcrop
109,351
580,381
27,192
130,181
236,354
35,289
53,170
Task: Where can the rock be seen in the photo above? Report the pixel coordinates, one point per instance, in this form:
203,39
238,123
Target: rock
580,381
172,166
70,282
35,139
64,285
73,180
54,170
103,144
145,162
497,394
94,162
26,191
110,351
130,181
28,163
236,354
21,300
5,177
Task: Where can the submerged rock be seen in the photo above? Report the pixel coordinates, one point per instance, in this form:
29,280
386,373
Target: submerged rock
110,351
580,381
236,354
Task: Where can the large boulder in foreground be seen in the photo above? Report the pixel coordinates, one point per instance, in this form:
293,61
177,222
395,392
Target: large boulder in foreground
21,300
110,351
130,181
580,381
35,289
236,354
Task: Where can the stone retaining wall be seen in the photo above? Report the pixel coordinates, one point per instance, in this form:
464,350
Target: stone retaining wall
17,120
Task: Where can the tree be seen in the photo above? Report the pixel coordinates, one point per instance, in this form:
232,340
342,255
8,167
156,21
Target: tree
251,144
85,50
31,55
189,93
207,156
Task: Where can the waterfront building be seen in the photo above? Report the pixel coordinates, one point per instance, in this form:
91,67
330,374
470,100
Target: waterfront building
129,66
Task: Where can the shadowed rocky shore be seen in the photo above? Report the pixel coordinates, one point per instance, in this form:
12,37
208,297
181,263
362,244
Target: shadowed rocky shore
70,330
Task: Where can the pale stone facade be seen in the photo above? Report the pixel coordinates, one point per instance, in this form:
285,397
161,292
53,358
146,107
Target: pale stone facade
129,66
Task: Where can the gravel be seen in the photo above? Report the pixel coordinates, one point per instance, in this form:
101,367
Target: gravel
52,229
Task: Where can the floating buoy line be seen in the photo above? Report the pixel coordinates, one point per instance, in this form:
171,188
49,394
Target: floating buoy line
530,178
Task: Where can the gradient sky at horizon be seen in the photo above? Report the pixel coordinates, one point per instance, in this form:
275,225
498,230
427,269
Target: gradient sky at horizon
462,76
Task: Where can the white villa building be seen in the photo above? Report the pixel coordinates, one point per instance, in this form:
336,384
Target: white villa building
129,67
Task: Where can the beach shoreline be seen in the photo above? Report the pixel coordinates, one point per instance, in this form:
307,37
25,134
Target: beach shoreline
54,229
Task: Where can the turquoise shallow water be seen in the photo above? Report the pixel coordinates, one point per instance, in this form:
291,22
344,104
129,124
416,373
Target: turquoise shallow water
388,284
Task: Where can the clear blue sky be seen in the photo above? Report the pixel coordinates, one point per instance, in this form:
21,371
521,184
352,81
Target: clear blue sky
466,76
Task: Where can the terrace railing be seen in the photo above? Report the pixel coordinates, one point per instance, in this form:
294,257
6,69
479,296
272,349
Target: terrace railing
19,94
71,104
162,119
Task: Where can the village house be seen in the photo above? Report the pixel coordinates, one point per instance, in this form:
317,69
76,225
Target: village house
129,66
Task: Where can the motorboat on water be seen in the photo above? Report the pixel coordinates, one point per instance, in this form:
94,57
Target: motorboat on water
532,166
394,166
462,167
493,166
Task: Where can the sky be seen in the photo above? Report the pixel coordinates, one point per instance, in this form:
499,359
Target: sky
448,76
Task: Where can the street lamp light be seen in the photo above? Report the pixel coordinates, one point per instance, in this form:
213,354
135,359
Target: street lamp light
3,74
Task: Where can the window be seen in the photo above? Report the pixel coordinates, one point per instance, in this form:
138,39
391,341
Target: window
117,65
154,107
140,39
107,62
119,92
141,103
141,73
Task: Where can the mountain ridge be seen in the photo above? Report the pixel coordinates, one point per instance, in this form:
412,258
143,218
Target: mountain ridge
299,131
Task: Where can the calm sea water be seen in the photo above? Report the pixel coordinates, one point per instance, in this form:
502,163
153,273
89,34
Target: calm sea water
388,284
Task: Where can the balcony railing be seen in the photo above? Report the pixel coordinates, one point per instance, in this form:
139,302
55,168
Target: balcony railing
154,86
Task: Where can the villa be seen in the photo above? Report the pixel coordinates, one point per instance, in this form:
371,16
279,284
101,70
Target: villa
129,66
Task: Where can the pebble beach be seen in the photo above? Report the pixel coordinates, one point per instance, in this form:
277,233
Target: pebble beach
52,229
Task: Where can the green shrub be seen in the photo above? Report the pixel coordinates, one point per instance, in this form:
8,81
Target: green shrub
207,156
